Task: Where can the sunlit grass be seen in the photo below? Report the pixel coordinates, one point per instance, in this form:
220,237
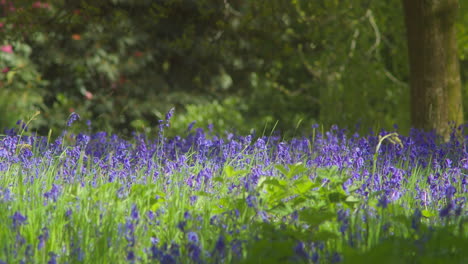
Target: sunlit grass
237,200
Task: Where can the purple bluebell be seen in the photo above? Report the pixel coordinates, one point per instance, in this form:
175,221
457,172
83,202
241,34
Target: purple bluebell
251,200
131,256
53,193
450,191
336,258
445,211
383,201
134,213
43,238
190,126
194,252
192,237
174,249
68,213
181,225
300,252
53,258
72,118
18,219
220,245
236,247
168,259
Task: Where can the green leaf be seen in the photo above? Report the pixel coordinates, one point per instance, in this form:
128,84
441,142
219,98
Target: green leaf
304,184
296,169
282,169
231,172
315,217
293,169
203,194
218,179
336,197
325,236
10,76
427,213
352,199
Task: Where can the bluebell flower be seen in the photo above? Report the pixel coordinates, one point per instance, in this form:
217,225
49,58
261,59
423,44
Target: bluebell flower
315,257
168,259
383,202
131,256
134,213
445,212
43,238
72,118
236,247
169,114
190,126
181,225
194,252
220,245
175,249
192,237
18,219
53,258
251,200
53,193
68,213
450,191
300,251
336,257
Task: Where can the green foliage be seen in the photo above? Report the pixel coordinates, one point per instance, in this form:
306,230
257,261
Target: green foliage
21,82
462,31
123,63
296,203
227,115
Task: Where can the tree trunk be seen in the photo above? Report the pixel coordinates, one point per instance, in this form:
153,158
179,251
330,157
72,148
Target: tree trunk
436,101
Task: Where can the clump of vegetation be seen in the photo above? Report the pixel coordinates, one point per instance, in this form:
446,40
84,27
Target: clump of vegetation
325,198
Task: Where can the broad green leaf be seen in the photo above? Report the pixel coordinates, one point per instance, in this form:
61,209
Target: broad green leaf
352,199
231,172
218,179
296,169
304,184
282,169
336,197
315,217
427,213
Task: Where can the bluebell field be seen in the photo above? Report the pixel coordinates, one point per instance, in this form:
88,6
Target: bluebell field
329,197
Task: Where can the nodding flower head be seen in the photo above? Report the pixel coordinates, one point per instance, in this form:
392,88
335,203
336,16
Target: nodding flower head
72,118
170,113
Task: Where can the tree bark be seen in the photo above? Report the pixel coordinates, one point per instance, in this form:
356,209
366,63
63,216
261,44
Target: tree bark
436,101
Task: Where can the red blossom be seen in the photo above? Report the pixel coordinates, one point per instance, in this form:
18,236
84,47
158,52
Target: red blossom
138,53
7,48
88,95
76,36
39,4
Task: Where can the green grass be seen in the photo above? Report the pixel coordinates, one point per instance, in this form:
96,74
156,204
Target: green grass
291,207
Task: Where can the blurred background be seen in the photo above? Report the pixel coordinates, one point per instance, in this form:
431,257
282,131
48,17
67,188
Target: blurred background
236,65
